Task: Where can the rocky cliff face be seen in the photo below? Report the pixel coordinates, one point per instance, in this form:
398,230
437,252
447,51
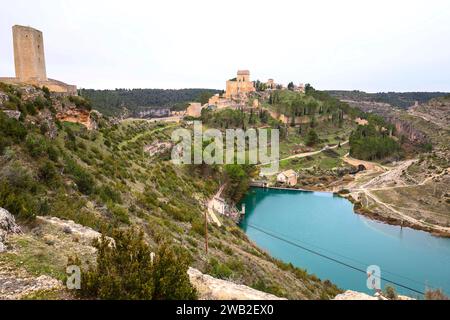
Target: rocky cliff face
77,116
17,100
407,129
392,115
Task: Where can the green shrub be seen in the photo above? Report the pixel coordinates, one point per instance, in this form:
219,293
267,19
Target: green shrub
84,180
227,250
80,102
72,207
312,138
30,108
47,173
3,144
46,92
238,178
43,128
12,128
22,205
427,147
13,101
370,143
36,145
18,191
53,153
391,293
124,271
119,213
266,286
437,294
219,270
198,226
107,193
171,281
236,265
40,103
18,177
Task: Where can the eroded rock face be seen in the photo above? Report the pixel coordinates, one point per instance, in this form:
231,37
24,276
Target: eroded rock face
407,129
210,288
7,225
80,116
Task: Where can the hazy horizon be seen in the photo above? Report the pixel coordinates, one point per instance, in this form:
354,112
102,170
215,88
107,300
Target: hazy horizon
347,45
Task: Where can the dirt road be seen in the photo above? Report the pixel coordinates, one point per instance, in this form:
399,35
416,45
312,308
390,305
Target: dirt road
301,155
384,181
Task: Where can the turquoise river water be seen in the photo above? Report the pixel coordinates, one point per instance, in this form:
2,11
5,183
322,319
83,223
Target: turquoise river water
320,232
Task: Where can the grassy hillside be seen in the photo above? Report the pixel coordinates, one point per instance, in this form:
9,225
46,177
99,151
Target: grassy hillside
105,180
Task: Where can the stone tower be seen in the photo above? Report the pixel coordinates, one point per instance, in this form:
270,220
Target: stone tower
29,56
240,85
243,76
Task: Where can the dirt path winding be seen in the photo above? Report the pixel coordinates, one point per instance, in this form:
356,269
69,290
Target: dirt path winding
211,206
379,182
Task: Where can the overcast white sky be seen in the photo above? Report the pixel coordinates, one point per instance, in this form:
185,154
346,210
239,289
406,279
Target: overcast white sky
367,45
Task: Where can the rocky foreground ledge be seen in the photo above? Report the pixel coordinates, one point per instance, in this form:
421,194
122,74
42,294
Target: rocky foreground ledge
354,295
210,288
17,283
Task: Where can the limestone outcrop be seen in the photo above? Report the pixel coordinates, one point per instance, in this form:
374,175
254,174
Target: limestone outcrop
75,115
86,235
210,288
7,226
16,283
354,295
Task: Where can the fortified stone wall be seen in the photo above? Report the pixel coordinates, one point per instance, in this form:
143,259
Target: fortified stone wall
298,120
54,86
194,109
231,89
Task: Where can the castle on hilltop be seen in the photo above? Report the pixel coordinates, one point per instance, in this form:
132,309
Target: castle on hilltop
237,90
29,60
239,85
242,93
